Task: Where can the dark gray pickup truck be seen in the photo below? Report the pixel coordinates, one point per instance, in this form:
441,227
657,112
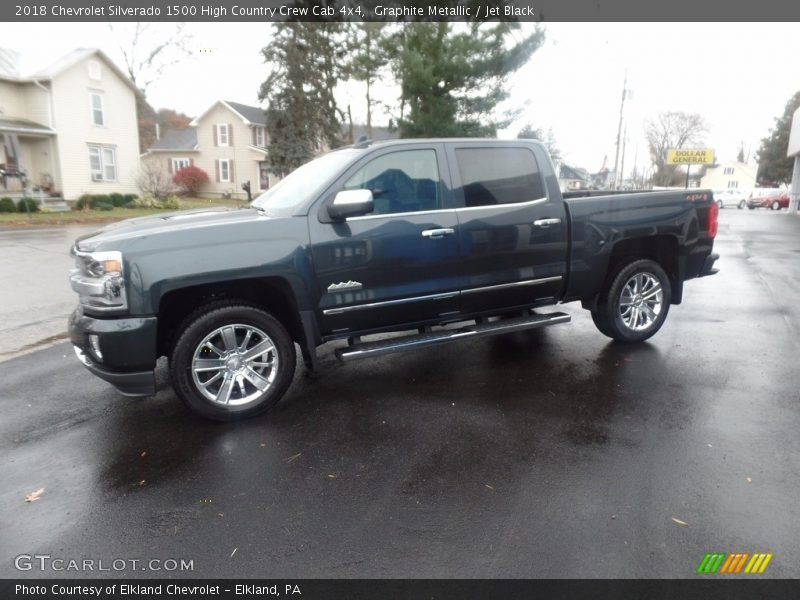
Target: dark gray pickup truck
443,239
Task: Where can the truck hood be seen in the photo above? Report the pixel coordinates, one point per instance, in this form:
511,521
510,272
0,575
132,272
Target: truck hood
115,234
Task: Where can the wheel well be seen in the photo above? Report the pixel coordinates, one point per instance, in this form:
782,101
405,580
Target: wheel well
662,249
272,294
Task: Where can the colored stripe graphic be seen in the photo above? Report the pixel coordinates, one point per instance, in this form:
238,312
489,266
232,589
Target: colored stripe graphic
711,562
734,562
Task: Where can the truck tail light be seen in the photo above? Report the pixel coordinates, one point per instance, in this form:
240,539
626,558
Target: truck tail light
713,215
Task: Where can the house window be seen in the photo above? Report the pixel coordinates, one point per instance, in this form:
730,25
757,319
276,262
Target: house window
103,163
95,71
225,170
180,163
728,171
261,137
222,134
733,184
98,116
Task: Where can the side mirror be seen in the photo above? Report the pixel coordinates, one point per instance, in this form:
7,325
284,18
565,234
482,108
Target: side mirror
351,203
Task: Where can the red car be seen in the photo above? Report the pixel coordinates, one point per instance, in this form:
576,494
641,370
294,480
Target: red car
776,201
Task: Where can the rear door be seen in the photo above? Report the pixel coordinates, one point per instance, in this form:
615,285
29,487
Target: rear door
398,264
512,236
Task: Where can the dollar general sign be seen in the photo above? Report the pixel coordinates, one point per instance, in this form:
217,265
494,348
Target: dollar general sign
690,156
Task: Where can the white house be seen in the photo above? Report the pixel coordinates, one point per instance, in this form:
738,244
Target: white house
729,175
228,141
70,129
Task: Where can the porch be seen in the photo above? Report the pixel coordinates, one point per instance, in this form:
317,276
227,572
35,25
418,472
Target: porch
28,163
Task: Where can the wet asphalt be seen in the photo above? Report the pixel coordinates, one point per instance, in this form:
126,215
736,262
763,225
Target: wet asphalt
553,453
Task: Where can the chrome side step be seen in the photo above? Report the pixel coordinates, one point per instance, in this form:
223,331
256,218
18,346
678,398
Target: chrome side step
443,336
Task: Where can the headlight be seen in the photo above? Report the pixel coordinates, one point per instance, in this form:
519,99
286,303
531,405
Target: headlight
99,280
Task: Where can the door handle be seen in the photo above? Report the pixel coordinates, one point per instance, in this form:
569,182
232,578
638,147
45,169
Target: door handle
437,233
546,222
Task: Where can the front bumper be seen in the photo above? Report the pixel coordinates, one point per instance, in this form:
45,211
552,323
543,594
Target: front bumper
127,350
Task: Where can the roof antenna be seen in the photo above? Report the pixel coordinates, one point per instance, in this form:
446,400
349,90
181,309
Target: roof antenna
362,142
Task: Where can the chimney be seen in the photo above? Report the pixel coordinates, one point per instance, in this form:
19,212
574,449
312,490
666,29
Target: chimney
158,131
9,62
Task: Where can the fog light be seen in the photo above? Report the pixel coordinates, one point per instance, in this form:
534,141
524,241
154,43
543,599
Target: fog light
94,342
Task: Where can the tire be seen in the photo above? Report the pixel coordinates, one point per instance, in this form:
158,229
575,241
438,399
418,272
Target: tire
741,205
776,205
248,361
641,317
751,207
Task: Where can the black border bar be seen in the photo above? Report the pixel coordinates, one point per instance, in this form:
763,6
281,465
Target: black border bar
703,587
255,11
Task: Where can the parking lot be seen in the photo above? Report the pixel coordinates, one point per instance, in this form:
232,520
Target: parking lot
550,453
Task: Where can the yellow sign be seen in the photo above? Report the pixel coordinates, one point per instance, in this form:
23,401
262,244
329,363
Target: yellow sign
690,156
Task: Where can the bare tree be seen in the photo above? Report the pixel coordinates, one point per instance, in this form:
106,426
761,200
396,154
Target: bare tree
148,50
672,129
148,53
154,183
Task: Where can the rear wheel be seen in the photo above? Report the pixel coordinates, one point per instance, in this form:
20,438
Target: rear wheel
231,361
741,205
634,305
776,205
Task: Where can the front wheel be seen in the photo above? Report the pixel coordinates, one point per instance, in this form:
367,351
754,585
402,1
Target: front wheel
231,361
634,305
776,205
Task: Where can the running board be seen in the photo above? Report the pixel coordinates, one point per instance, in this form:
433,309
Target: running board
443,336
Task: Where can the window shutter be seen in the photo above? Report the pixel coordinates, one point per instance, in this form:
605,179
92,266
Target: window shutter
169,165
230,170
230,134
255,137
216,143
216,168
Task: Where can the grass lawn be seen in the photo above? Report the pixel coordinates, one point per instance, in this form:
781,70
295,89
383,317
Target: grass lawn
49,219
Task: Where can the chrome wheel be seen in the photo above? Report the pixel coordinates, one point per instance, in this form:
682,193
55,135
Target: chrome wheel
235,365
641,301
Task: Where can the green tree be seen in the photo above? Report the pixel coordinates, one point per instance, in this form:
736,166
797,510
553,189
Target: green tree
307,61
529,132
773,164
453,77
368,58
673,129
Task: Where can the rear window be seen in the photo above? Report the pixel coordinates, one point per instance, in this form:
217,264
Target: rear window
493,176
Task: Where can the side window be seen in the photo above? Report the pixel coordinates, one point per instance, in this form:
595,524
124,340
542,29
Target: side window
405,181
498,176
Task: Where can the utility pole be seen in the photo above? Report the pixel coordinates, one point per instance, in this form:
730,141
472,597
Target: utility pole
621,179
619,128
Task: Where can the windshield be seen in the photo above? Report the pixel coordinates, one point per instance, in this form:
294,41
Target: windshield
306,181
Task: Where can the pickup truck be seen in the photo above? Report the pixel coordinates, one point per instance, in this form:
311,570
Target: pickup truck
442,239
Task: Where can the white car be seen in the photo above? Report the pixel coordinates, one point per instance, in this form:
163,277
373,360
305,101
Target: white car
730,198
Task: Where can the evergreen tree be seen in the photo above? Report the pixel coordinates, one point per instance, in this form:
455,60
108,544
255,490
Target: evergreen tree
302,115
773,164
453,77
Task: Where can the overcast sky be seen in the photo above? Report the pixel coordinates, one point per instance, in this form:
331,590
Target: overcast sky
738,76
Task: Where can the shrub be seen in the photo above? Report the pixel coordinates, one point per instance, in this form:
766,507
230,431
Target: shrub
84,202
190,179
171,203
116,199
7,205
28,205
129,199
100,205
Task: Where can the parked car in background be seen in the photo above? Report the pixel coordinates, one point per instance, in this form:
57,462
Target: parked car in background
730,198
773,198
